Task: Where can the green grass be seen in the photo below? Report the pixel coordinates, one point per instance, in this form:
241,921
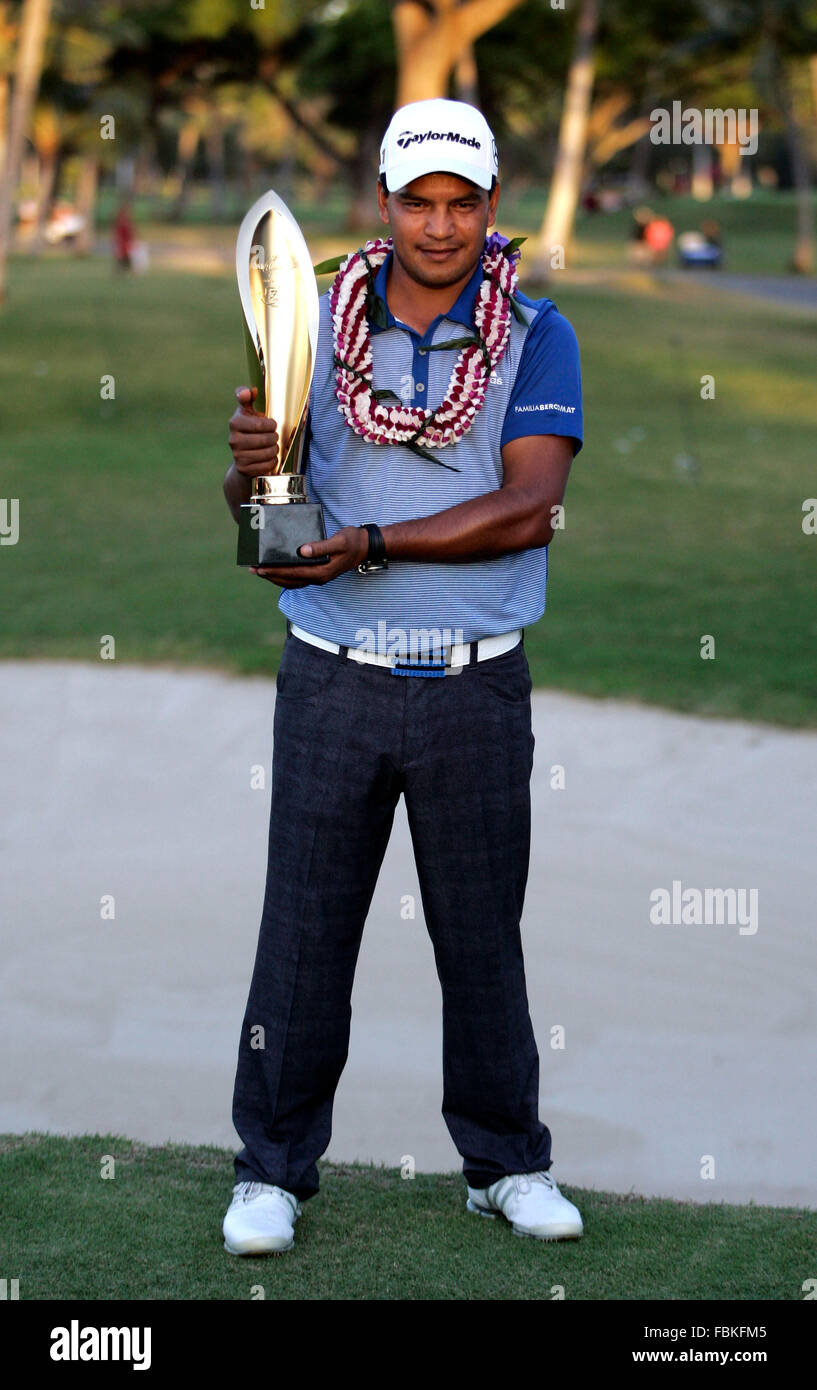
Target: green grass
153,1232
124,530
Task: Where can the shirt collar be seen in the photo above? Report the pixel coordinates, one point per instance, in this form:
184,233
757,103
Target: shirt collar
461,311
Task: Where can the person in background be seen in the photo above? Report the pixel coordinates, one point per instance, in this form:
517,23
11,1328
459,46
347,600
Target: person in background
651,237
658,236
124,237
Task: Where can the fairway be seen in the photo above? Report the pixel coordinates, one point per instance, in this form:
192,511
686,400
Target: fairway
152,1231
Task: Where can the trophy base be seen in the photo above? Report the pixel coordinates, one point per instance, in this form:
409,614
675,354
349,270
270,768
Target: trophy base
270,533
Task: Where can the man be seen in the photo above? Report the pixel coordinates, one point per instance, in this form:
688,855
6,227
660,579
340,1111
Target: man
437,534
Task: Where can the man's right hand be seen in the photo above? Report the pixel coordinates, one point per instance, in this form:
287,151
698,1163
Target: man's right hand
253,437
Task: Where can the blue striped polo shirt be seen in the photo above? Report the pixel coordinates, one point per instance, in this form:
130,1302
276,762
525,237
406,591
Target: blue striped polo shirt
535,389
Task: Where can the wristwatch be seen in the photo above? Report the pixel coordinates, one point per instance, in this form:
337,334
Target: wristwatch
376,557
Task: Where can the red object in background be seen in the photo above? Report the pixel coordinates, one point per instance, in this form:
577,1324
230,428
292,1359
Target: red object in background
658,233
124,235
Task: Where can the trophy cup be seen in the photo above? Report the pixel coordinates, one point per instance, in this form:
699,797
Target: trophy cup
279,297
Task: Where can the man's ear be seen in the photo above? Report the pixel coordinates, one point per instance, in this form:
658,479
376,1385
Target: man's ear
382,205
492,205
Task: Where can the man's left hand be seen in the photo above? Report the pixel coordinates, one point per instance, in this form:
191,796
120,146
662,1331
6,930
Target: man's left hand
348,548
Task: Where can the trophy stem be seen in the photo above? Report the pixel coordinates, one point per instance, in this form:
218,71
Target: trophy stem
284,486
271,488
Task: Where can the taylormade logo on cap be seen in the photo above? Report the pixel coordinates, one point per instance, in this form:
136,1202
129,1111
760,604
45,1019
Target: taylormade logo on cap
438,136
408,139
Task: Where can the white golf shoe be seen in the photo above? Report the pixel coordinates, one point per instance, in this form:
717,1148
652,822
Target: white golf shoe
260,1220
532,1203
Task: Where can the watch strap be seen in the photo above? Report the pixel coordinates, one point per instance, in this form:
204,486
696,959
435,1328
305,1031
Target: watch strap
376,554
377,545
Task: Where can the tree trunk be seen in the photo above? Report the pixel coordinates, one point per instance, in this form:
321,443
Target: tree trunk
31,43
285,174
86,203
49,163
363,202
557,226
804,257
46,137
637,173
466,77
4,113
145,179
773,67
637,181
216,166
432,36
702,184
186,151
812,64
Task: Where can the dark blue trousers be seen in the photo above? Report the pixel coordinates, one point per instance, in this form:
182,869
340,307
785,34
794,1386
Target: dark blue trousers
349,738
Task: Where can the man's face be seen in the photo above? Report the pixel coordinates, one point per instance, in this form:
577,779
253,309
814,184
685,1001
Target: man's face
438,225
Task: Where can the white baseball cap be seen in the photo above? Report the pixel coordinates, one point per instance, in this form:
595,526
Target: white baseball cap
438,137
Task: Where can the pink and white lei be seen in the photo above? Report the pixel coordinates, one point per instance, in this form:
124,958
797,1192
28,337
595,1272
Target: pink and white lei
405,424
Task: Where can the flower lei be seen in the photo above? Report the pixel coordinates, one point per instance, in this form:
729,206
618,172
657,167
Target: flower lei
351,297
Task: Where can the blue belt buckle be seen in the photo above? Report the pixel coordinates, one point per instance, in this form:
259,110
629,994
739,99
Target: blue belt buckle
416,666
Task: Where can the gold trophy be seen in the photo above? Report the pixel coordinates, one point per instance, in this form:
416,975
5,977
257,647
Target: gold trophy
279,297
